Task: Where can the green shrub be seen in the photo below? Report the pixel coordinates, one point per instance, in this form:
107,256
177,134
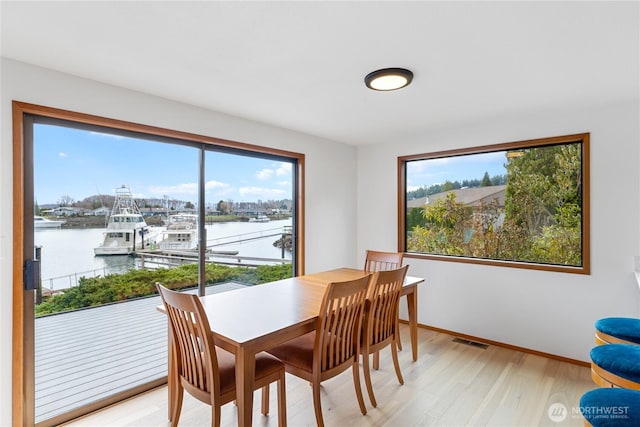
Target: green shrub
94,291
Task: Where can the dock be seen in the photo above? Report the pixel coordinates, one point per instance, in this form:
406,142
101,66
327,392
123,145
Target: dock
159,259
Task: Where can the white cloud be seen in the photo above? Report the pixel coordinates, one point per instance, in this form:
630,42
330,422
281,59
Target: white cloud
215,185
218,189
188,188
222,190
264,174
284,169
262,193
63,155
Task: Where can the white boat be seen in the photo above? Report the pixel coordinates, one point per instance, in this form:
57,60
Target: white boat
127,230
259,218
42,222
181,233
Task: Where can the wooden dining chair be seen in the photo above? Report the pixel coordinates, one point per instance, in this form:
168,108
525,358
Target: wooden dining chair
205,371
381,261
380,328
335,344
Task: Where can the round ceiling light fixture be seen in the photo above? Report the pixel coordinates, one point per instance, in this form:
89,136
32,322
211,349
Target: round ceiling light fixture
388,79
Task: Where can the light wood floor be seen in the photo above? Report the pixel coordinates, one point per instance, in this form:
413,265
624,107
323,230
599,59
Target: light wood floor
451,384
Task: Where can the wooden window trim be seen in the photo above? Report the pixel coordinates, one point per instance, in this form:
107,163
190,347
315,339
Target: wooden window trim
586,238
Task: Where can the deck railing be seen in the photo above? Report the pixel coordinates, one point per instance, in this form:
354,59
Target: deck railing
52,285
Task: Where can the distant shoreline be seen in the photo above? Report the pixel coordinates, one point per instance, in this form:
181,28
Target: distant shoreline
90,221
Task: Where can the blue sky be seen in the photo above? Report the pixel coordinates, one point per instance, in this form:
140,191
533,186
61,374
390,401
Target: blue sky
467,167
78,164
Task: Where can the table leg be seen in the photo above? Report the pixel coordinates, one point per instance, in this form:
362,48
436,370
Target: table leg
412,308
245,373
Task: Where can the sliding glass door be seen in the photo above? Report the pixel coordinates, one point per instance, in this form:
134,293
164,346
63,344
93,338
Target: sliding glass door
109,210
101,200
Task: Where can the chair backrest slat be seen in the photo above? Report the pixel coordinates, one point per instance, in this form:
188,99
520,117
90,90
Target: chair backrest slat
384,296
193,341
382,261
340,322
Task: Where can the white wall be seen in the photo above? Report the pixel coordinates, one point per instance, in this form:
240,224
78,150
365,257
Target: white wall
329,197
548,312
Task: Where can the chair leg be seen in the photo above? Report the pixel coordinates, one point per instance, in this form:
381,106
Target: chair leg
398,336
282,401
396,363
376,360
367,379
265,400
356,383
173,381
215,415
317,406
177,404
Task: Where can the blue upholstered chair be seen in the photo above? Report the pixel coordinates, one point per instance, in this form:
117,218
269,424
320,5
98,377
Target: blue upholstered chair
620,330
616,365
611,407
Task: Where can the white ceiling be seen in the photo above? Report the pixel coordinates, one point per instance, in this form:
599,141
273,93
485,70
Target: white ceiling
300,65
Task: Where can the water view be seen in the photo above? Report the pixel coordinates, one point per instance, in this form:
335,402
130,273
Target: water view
69,253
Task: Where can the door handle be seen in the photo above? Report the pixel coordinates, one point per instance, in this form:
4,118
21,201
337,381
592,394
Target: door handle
31,272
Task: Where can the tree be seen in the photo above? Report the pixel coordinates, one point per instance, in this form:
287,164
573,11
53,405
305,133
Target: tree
540,181
415,217
223,207
189,205
65,201
486,181
444,230
448,186
454,229
498,180
544,199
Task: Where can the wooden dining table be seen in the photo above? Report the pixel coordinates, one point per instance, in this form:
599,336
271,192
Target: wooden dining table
253,319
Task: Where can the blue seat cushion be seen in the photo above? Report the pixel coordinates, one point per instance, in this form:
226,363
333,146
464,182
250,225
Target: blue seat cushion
626,328
622,360
610,407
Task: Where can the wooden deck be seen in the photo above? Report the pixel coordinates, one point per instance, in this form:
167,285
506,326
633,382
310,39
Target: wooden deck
86,355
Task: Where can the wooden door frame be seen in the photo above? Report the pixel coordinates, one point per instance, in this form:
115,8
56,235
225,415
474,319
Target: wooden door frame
23,380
